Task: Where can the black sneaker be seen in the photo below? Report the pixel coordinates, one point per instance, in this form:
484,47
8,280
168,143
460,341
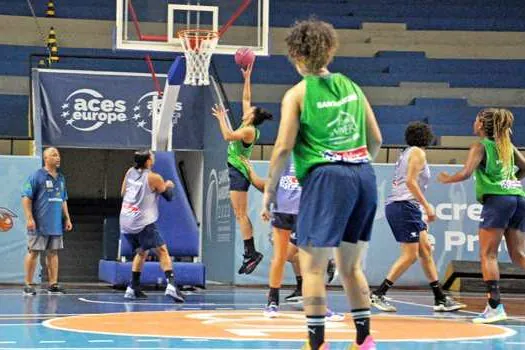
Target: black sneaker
330,271
56,289
29,290
294,298
134,293
250,262
447,305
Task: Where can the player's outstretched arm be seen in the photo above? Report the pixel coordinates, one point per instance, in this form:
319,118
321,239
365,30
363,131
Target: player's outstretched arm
257,182
164,188
416,163
247,89
243,134
475,156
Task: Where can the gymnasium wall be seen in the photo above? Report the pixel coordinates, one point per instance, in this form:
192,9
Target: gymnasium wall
454,234
13,241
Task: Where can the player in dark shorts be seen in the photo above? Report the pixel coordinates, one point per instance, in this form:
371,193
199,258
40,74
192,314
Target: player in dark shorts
141,189
498,168
284,217
329,125
404,212
241,142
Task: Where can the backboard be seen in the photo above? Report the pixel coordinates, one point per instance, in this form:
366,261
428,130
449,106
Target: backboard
152,25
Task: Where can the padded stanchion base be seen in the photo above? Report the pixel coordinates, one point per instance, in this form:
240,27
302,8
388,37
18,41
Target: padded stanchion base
118,273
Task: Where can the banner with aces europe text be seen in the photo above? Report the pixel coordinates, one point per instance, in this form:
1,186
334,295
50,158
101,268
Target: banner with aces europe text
109,110
453,235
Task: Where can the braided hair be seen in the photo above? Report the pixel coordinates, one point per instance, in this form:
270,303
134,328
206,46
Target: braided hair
497,125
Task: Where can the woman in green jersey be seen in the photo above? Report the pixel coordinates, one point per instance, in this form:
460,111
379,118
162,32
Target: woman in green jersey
328,123
497,167
241,142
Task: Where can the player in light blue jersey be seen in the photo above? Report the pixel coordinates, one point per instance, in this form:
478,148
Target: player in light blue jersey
404,212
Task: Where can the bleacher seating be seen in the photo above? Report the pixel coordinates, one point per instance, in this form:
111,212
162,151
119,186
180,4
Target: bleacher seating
389,71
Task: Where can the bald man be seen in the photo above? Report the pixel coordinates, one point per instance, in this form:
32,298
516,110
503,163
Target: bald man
44,199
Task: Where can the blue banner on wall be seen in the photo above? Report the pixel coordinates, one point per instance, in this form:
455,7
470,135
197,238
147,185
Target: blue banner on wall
13,241
454,233
110,110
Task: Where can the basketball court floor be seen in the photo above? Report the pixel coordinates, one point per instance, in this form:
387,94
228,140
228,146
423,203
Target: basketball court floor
231,318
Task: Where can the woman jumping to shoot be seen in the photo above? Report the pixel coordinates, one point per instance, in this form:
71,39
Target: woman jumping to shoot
241,142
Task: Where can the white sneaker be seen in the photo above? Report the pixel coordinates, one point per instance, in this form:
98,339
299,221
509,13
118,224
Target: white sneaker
491,315
271,310
134,293
174,293
381,303
334,316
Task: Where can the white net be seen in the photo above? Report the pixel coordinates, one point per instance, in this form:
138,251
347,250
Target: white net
199,46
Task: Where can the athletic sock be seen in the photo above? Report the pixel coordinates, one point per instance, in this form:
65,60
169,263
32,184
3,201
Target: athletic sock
315,326
362,324
437,290
494,294
384,287
273,296
135,279
299,280
249,247
170,277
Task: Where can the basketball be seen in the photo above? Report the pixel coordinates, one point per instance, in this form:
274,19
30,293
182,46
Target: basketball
244,57
6,223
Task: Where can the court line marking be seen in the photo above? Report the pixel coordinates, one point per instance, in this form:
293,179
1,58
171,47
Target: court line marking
432,306
101,341
507,332
164,304
52,341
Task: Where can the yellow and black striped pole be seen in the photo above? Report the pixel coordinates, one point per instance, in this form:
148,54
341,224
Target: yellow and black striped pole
50,12
52,44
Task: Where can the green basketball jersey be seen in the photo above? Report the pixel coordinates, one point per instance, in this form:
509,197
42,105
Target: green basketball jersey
237,151
333,124
495,178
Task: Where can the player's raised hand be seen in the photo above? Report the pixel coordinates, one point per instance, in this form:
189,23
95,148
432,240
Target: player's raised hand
219,111
247,72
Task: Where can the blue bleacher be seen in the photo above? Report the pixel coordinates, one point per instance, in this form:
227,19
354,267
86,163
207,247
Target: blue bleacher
508,15
447,116
453,117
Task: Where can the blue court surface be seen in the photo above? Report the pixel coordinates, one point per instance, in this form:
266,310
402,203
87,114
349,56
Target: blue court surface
231,318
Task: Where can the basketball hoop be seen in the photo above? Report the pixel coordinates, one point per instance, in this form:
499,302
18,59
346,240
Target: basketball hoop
198,45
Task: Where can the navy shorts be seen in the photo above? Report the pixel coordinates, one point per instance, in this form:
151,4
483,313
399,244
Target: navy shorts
406,221
503,212
146,239
338,203
284,221
238,182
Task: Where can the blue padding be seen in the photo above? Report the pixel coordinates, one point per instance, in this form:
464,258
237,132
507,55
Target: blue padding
176,72
117,273
176,220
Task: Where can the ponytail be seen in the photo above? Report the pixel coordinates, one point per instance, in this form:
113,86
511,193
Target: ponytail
497,123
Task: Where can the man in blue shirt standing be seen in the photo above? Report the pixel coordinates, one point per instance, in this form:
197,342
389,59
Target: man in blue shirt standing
44,199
